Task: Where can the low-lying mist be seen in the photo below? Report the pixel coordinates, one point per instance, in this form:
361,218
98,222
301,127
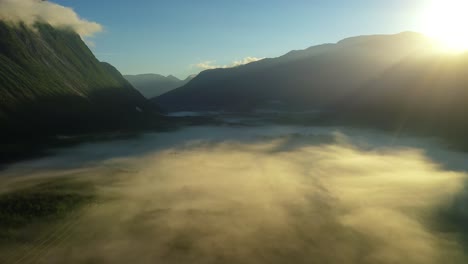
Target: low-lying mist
256,195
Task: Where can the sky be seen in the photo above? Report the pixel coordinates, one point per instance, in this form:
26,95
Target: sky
184,37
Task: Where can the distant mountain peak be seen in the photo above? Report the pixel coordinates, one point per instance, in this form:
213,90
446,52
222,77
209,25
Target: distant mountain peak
172,77
152,84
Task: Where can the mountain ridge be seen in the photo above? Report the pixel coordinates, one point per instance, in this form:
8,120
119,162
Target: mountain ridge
152,84
52,82
394,82
327,59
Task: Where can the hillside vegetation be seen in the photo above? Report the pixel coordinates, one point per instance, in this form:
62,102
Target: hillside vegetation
50,83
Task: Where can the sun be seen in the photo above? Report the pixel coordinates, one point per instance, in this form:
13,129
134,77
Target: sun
447,22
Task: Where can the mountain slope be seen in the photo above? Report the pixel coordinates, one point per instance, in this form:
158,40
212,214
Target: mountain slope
423,94
314,76
152,85
51,82
397,82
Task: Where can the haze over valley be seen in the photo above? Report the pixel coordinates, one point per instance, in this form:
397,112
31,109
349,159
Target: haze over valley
211,136
225,194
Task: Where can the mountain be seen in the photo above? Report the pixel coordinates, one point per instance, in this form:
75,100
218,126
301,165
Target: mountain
152,85
302,79
425,94
397,82
51,83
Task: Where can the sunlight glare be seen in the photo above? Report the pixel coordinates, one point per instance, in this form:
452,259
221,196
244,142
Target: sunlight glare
446,22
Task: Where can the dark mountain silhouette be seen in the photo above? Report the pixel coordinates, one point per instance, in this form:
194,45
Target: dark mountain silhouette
308,78
398,82
51,83
152,85
426,94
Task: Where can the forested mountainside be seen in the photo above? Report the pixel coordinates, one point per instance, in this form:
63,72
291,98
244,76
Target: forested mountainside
51,83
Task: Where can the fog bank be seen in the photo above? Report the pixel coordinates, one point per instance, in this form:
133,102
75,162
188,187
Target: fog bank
258,195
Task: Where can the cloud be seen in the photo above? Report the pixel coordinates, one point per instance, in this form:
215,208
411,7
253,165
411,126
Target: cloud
208,65
32,11
245,60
